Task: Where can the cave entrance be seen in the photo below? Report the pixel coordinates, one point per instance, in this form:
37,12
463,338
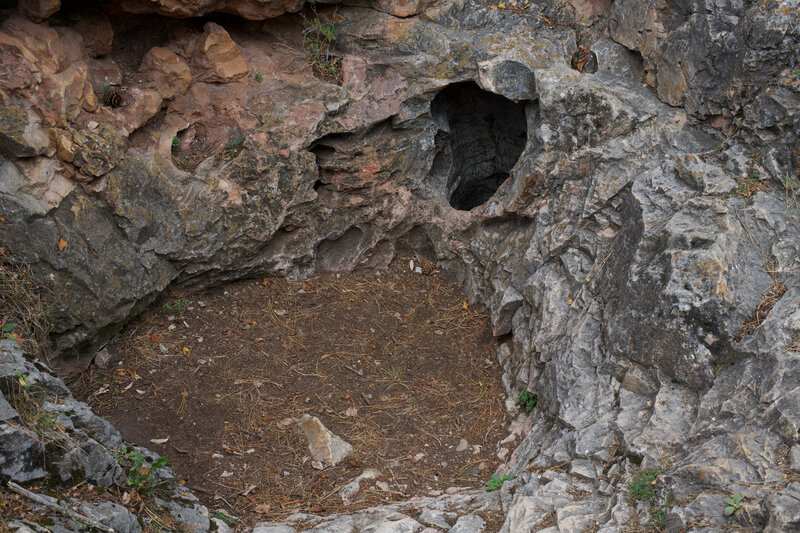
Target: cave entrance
481,136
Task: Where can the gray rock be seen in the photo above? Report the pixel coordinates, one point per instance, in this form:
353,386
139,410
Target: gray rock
6,411
21,455
430,517
784,509
221,527
112,515
89,458
185,509
267,527
468,524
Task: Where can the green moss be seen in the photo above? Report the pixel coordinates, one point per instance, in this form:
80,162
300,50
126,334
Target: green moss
642,488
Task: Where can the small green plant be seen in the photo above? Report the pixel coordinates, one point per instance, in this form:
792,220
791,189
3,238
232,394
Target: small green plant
796,72
25,384
140,473
642,488
233,145
259,79
178,306
747,187
527,400
317,38
7,328
658,514
495,482
733,504
175,141
219,515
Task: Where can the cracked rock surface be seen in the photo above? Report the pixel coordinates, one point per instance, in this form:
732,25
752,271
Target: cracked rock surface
626,257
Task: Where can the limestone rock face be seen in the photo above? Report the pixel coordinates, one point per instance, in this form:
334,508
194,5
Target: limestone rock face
626,253
710,58
325,447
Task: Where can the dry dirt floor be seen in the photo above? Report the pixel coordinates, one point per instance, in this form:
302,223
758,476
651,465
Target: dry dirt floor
394,362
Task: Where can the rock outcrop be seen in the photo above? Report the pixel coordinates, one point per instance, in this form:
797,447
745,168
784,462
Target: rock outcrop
640,254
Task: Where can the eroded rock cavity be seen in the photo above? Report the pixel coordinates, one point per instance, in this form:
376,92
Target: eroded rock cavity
481,136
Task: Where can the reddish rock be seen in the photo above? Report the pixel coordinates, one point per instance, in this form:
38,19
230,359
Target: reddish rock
167,74
249,9
38,43
62,95
401,8
218,57
96,30
38,10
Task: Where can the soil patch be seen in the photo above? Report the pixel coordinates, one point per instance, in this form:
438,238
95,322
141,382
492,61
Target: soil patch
394,362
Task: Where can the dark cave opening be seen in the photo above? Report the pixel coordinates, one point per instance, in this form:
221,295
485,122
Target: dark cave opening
481,136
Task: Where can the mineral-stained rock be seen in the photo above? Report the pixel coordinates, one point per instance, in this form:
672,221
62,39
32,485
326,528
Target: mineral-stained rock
169,74
21,132
217,56
326,447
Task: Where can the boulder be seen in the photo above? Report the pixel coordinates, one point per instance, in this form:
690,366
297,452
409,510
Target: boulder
217,56
325,447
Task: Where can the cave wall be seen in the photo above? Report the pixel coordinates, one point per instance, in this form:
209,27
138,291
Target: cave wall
620,258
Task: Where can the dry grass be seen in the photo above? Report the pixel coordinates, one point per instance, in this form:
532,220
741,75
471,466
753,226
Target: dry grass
768,301
23,312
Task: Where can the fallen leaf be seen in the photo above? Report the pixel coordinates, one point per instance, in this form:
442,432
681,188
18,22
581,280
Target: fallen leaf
140,391
465,306
351,411
128,387
159,441
61,244
262,508
186,351
317,465
286,422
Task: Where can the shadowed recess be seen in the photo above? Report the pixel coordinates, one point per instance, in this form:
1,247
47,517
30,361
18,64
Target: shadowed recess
481,135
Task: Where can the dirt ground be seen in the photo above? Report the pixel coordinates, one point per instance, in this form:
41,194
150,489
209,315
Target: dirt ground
394,362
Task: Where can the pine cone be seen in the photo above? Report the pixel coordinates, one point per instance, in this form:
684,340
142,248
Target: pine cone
113,97
428,267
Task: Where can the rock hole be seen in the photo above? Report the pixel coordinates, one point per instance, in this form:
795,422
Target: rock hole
584,60
481,135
